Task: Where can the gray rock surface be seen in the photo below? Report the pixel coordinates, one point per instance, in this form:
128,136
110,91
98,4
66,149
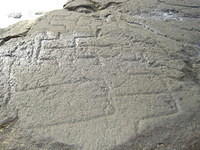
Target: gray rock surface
103,75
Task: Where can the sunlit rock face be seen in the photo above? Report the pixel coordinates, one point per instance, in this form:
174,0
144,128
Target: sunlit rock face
103,75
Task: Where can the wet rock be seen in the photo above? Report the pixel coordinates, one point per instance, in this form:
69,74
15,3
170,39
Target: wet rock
88,6
102,75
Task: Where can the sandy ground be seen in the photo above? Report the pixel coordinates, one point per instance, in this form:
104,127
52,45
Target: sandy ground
27,8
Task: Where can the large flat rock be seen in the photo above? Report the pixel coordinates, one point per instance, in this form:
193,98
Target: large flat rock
103,75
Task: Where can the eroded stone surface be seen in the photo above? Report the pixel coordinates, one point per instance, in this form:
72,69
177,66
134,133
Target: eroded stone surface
125,76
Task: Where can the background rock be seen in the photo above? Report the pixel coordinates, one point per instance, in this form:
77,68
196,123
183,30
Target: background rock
15,15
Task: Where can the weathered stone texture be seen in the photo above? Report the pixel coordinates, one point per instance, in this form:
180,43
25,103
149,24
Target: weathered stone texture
102,75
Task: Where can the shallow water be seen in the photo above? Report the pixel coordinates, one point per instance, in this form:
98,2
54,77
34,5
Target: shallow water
30,9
